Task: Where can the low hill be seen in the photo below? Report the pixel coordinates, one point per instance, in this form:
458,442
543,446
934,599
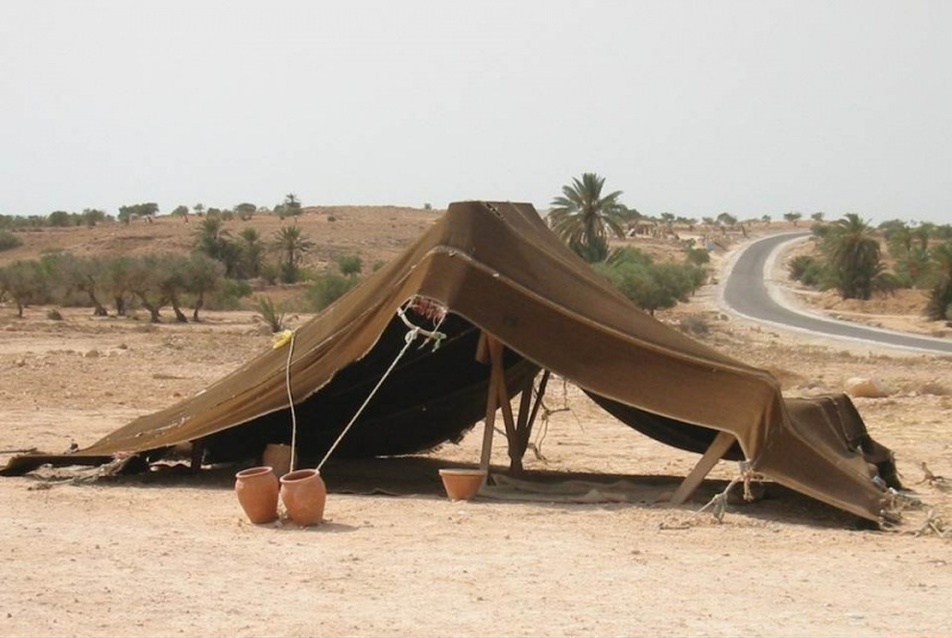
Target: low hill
374,233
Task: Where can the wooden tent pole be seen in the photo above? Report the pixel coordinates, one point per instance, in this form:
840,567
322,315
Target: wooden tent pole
527,416
517,447
197,454
721,443
502,394
484,354
491,350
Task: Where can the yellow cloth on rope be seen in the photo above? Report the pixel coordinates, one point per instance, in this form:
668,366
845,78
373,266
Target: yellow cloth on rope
281,338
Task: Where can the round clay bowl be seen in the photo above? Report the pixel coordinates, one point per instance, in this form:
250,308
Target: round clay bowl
462,484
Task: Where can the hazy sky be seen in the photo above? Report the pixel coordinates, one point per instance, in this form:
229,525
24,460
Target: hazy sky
694,108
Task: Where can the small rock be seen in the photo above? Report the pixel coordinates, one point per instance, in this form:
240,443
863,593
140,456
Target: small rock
866,388
93,354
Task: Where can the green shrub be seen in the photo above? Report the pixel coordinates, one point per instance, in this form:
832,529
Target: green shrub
328,289
269,273
887,283
939,306
350,265
698,256
651,286
229,294
799,265
808,270
8,240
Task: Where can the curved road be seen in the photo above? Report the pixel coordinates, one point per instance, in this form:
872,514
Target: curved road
749,291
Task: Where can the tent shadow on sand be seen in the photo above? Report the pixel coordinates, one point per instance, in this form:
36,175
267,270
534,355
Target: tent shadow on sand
492,302
417,477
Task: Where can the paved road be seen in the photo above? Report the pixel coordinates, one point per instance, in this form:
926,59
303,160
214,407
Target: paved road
749,291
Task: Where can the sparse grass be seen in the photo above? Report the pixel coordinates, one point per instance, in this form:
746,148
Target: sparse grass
267,312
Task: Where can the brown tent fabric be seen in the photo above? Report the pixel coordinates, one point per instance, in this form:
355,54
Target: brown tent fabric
497,268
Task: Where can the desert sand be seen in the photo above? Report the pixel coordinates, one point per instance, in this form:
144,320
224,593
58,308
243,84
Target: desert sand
170,552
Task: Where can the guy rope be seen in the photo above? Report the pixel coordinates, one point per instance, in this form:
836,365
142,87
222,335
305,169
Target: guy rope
423,307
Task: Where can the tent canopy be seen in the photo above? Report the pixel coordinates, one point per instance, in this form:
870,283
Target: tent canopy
496,269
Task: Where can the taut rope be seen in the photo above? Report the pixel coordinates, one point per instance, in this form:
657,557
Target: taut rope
410,337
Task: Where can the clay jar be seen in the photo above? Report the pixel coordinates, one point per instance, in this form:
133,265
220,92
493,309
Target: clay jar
462,484
303,493
278,456
257,491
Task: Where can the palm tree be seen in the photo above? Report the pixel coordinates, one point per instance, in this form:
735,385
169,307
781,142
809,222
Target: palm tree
251,253
922,234
585,219
211,237
291,241
916,265
291,206
854,256
899,239
214,240
939,307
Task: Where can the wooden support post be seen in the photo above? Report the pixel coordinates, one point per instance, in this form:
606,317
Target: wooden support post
722,442
491,351
526,423
523,428
484,354
198,452
502,395
482,349
511,436
489,426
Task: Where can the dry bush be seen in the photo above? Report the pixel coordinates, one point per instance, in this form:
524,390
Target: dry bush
695,324
934,388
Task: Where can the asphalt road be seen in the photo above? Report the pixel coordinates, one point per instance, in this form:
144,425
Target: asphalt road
748,291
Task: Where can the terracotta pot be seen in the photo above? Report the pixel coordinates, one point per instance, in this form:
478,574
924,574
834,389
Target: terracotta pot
278,456
257,491
462,484
303,493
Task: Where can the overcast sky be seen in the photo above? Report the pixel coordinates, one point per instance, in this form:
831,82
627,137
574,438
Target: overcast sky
694,108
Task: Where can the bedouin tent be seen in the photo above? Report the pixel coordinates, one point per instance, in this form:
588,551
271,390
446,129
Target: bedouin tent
509,300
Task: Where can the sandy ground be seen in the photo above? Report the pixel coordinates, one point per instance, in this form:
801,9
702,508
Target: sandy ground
170,553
